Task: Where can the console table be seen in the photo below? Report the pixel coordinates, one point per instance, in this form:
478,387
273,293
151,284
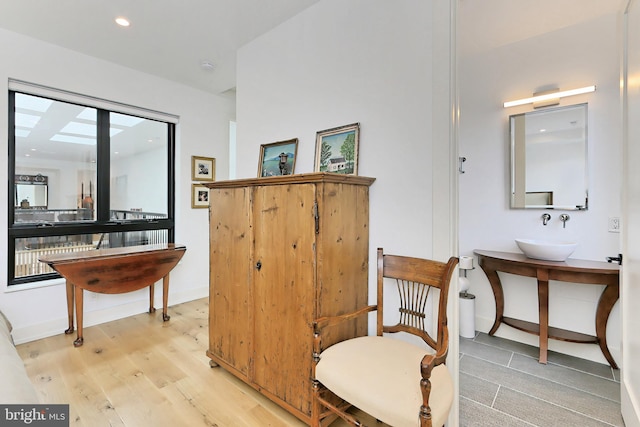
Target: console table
571,270
115,271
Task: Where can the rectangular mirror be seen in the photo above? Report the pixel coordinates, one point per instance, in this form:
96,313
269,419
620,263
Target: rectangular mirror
31,191
549,158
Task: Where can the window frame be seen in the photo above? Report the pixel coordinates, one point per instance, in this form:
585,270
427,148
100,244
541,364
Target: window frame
103,223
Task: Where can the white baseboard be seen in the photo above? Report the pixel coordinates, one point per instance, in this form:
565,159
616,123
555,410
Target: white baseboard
630,409
90,318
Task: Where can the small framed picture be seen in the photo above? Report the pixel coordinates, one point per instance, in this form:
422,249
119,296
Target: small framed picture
203,168
337,150
278,158
199,196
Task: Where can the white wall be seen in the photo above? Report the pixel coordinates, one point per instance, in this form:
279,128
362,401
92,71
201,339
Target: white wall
139,181
573,57
203,130
343,62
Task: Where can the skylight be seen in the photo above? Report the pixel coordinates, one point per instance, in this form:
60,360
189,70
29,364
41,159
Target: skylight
78,128
26,120
73,139
114,118
87,114
32,103
122,120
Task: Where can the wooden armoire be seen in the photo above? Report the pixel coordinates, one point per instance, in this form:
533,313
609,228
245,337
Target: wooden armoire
284,251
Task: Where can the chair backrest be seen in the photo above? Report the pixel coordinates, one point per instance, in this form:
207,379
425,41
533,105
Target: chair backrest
415,279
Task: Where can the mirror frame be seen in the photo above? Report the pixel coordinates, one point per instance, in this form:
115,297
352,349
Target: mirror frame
541,199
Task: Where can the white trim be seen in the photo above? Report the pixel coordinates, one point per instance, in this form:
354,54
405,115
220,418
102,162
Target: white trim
34,285
631,413
90,318
76,98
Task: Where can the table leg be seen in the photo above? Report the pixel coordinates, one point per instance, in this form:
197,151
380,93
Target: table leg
79,293
165,297
498,294
70,298
543,313
606,302
152,289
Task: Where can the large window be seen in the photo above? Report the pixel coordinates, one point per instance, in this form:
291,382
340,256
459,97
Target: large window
84,178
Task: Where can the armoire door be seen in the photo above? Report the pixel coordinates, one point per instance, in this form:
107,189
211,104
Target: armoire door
284,290
230,270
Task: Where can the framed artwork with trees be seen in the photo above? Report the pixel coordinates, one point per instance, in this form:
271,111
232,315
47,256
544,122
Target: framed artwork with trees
337,150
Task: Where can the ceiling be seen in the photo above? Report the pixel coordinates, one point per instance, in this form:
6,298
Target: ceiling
166,38
483,25
170,40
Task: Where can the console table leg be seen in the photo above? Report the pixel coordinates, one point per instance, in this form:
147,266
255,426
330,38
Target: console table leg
543,309
498,293
606,302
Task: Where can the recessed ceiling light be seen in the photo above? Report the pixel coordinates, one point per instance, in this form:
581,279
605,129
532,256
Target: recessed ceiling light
122,21
206,65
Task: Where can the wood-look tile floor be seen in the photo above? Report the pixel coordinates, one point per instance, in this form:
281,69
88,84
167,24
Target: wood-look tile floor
141,371
502,384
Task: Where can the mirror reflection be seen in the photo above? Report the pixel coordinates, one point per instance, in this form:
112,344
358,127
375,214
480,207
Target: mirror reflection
549,158
31,191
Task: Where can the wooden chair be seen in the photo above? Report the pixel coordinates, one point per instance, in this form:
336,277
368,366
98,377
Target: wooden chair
398,382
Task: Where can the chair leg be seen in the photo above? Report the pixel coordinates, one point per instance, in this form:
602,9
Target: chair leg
425,410
315,405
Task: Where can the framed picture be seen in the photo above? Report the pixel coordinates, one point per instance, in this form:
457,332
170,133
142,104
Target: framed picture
203,168
199,196
278,158
337,150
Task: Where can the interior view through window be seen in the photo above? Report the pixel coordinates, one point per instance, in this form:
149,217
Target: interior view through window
85,178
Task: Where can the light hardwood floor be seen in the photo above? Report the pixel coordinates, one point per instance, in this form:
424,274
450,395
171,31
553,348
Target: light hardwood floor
141,371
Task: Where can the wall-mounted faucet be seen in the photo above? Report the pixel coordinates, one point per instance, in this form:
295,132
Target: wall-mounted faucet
545,218
564,218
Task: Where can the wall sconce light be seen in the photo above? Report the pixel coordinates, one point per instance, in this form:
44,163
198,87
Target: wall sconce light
549,98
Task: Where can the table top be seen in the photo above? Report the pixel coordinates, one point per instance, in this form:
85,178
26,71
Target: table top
298,178
571,264
110,252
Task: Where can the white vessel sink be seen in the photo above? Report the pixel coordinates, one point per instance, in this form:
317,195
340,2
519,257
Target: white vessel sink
544,250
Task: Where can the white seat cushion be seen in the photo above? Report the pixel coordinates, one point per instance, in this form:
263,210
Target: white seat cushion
381,376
